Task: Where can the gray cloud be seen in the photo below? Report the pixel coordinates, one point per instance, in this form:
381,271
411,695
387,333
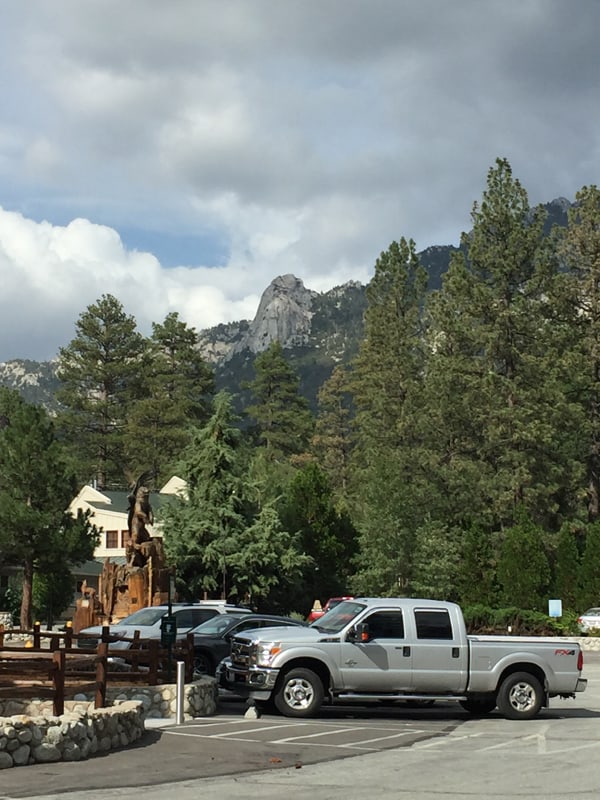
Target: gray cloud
305,134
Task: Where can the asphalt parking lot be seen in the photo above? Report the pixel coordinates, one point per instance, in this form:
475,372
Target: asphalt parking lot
270,752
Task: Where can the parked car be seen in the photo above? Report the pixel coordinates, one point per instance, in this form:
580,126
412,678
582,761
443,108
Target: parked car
589,620
331,603
148,621
212,638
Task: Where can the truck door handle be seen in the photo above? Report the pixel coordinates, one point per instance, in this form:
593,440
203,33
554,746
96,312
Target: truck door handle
406,652
455,652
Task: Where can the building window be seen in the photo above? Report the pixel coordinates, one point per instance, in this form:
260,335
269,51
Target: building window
124,538
112,539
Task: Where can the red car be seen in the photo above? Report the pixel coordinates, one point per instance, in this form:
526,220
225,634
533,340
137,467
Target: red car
317,611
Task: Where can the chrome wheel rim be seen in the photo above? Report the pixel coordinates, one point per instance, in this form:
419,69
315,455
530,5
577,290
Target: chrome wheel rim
522,697
298,693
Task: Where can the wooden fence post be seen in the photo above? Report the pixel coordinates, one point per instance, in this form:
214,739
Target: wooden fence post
153,648
189,658
69,634
101,670
37,639
58,679
1,636
105,634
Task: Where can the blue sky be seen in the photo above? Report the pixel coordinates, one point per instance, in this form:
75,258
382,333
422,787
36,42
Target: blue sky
197,149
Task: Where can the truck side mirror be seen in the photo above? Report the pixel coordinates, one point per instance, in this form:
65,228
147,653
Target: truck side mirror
359,633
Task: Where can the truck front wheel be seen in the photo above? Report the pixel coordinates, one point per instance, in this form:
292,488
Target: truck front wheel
299,694
520,696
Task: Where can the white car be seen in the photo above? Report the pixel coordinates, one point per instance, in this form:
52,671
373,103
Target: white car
148,622
590,620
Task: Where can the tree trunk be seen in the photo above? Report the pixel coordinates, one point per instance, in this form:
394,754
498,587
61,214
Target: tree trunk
25,622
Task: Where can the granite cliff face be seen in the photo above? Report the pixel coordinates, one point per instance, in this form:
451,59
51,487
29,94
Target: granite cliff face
284,314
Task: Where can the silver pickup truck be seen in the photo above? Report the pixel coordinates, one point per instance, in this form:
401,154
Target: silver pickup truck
399,649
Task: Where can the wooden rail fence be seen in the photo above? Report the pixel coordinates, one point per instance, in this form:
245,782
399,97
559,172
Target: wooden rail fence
49,665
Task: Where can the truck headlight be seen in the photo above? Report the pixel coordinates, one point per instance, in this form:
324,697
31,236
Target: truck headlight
263,653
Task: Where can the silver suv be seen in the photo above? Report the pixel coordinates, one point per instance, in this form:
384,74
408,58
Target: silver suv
147,621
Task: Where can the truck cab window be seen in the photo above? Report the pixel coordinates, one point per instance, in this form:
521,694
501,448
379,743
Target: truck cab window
433,624
385,625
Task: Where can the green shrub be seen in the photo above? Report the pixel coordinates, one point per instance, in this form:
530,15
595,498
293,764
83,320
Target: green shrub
521,622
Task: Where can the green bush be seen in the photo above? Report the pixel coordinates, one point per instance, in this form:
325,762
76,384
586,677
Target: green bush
522,622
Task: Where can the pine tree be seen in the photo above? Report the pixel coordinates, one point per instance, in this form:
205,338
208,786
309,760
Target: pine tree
436,562
204,527
590,566
389,494
567,566
37,532
178,397
284,423
580,251
332,441
523,569
218,537
498,420
389,365
102,373
325,535
269,563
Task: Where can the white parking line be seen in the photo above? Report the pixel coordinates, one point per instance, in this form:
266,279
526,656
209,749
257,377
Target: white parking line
445,741
248,730
313,735
361,745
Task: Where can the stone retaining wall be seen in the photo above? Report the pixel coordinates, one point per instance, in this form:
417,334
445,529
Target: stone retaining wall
30,734
79,733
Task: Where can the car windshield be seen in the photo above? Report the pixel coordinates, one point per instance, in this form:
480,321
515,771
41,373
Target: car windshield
592,612
145,616
217,625
336,620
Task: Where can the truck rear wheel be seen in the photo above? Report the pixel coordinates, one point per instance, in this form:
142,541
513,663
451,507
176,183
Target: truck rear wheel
299,694
520,696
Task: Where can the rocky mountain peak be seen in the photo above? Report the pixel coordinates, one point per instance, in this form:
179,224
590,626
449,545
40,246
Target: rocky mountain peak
284,314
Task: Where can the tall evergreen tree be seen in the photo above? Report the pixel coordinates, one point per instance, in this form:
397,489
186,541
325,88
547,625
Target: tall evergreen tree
204,526
332,440
37,532
567,561
284,423
102,372
179,387
436,562
523,569
493,393
389,491
219,538
590,566
325,535
580,251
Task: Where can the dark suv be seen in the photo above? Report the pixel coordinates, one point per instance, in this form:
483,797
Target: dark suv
212,638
